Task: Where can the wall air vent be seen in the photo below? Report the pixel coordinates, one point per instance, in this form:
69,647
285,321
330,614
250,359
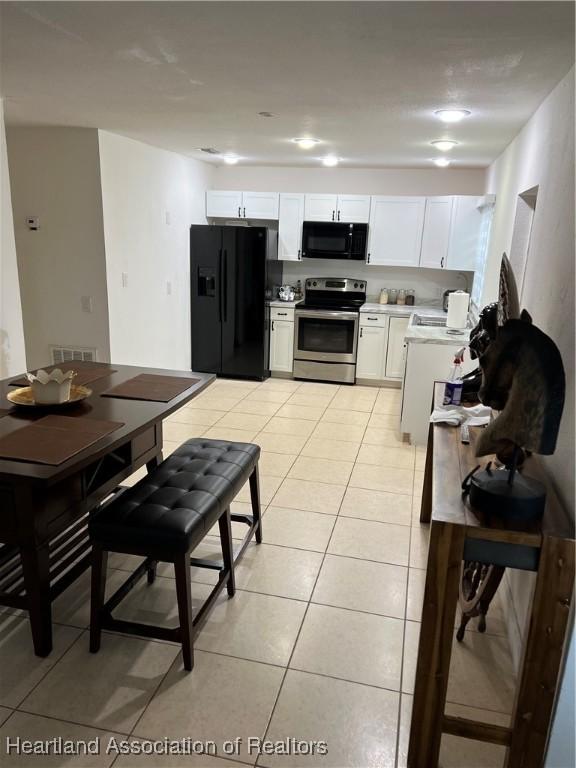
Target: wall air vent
210,150
70,354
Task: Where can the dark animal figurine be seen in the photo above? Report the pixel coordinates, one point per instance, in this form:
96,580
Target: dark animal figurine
523,377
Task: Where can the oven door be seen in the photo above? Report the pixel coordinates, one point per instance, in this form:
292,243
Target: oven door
326,336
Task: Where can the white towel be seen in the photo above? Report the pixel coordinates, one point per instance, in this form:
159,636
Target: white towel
476,416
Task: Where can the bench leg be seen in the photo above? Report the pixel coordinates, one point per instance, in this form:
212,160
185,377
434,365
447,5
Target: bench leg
98,594
184,595
151,571
225,526
255,498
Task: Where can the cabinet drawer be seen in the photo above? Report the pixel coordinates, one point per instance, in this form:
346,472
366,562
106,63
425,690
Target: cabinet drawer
376,318
282,313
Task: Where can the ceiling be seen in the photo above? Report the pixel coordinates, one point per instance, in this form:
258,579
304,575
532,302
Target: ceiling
365,77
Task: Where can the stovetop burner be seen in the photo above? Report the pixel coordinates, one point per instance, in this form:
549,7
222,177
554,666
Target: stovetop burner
336,293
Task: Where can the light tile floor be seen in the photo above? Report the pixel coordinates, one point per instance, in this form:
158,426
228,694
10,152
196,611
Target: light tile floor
319,642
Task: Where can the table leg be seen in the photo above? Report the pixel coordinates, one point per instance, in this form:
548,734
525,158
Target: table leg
426,503
153,463
36,572
434,651
543,654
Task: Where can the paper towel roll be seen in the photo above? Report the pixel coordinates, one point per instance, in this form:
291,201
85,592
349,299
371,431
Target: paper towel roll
457,309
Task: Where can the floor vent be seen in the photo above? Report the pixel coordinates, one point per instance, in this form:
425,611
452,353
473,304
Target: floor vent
69,354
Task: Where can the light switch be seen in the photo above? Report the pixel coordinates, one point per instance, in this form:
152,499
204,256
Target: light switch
167,218
87,304
124,279
168,288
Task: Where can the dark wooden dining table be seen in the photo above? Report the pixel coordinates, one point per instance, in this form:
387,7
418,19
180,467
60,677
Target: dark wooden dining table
44,509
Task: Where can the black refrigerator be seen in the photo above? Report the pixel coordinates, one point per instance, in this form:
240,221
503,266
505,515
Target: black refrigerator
231,270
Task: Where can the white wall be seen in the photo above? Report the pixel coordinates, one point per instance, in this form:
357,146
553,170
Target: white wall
368,181
542,155
12,352
429,284
55,175
141,186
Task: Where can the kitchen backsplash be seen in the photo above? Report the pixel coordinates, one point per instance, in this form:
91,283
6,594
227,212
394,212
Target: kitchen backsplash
428,284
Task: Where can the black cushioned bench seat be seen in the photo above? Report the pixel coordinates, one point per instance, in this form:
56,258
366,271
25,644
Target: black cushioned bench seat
163,518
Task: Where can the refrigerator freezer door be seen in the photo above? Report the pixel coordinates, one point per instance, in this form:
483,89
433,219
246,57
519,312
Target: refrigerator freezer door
244,323
205,297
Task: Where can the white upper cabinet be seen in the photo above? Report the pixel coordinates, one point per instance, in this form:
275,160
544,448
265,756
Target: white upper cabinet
395,231
348,208
223,204
353,208
320,207
290,226
465,233
260,205
436,233
242,205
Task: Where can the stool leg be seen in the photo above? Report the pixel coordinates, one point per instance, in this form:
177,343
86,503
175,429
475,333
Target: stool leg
225,526
255,497
184,595
98,594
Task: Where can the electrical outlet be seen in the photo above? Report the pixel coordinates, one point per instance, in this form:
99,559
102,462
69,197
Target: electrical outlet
124,279
87,304
33,223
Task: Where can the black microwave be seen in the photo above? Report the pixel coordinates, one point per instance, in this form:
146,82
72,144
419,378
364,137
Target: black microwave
334,240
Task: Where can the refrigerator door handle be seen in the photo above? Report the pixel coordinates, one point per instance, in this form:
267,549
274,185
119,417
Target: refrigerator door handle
225,287
220,285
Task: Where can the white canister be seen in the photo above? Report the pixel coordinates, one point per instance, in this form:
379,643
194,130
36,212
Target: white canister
458,302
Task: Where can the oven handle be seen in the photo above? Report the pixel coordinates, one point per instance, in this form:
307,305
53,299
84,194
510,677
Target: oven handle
315,313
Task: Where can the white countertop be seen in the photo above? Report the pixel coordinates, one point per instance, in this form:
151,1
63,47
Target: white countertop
422,334
402,310
280,303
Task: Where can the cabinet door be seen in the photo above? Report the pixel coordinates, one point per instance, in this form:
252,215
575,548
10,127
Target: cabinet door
260,205
465,233
436,234
395,349
354,208
290,227
395,230
320,207
223,204
370,361
282,346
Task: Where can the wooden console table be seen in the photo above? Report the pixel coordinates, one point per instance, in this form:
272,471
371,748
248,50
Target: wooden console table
458,534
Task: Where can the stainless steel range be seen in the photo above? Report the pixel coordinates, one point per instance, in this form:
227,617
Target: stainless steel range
326,329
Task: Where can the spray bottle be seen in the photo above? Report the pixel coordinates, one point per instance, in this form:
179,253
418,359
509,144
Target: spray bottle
453,387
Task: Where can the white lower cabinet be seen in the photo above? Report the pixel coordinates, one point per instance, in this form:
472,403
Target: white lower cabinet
282,345
371,357
395,347
425,364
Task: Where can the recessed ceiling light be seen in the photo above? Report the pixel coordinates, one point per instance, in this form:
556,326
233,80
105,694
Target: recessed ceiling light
452,115
266,114
444,145
306,143
330,161
231,159
441,162
210,150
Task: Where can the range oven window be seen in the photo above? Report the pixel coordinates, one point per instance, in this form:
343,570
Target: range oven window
325,335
